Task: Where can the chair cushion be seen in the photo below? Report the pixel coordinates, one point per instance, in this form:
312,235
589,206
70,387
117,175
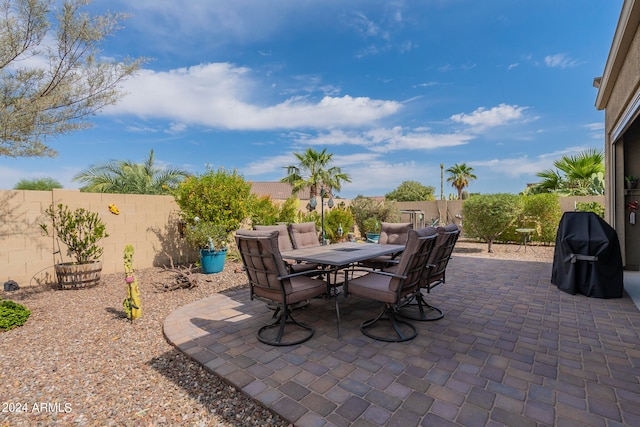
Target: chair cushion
373,286
300,288
394,233
284,241
303,235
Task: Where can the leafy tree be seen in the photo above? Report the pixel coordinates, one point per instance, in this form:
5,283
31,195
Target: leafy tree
579,175
313,171
411,191
487,216
72,81
42,184
459,176
126,177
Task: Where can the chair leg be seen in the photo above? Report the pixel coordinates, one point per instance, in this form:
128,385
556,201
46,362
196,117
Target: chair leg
404,331
418,309
302,331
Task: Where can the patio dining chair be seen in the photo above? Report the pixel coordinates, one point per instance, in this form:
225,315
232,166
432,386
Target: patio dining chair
304,235
394,233
392,288
270,280
416,308
285,244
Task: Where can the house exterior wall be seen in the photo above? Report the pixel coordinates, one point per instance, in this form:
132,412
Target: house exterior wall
619,96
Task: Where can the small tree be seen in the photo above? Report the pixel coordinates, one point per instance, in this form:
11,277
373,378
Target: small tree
411,191
487,216
71,81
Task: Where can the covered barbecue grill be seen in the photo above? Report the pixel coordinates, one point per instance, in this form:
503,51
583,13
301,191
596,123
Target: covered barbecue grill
587,258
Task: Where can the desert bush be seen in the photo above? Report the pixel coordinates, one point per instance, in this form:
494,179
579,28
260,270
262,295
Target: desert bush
221,198
540,212
265,211
338,217
595,207
487,216
364,208
12,315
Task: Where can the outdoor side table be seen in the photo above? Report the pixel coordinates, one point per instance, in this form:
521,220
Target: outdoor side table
526,233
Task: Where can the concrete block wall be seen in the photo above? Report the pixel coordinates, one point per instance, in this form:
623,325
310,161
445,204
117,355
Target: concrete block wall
149,223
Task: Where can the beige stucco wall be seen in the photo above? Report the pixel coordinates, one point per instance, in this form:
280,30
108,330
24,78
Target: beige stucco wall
623,153
149,223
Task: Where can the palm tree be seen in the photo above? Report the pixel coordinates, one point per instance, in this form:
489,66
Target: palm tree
574,175
126,177
459,177
312,171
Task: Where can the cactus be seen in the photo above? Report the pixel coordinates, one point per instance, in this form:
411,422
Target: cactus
131,303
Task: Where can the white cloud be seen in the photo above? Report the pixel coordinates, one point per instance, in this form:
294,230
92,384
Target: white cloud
218,95
483,118
387,139
560,60
521,166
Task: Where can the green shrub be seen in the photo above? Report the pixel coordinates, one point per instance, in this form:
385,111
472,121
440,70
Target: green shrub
487,216
221,198
12,315
540,212
338,217
595,207
364,208
265,211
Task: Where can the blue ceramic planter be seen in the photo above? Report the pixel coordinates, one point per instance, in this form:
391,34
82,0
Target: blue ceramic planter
212,261
372,237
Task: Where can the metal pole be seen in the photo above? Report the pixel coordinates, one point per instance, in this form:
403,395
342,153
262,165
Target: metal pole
441,181
322,212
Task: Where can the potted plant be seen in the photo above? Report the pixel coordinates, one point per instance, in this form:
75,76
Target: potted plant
220,200
372,229
212,241
81,231
630,181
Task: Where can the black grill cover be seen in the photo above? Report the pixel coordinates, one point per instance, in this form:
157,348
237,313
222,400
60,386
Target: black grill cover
587,258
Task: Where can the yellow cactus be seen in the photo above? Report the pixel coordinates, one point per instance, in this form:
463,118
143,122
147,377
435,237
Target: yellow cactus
131,303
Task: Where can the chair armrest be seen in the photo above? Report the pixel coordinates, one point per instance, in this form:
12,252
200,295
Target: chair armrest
318,272
367,270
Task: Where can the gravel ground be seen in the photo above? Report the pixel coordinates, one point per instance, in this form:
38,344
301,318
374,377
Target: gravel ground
79,361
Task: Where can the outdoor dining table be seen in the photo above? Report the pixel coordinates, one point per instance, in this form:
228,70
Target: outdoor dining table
341,255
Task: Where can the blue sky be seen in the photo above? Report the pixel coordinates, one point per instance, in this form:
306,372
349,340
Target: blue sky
391,88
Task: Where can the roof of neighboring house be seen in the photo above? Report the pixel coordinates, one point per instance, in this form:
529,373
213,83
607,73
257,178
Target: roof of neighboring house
277,190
